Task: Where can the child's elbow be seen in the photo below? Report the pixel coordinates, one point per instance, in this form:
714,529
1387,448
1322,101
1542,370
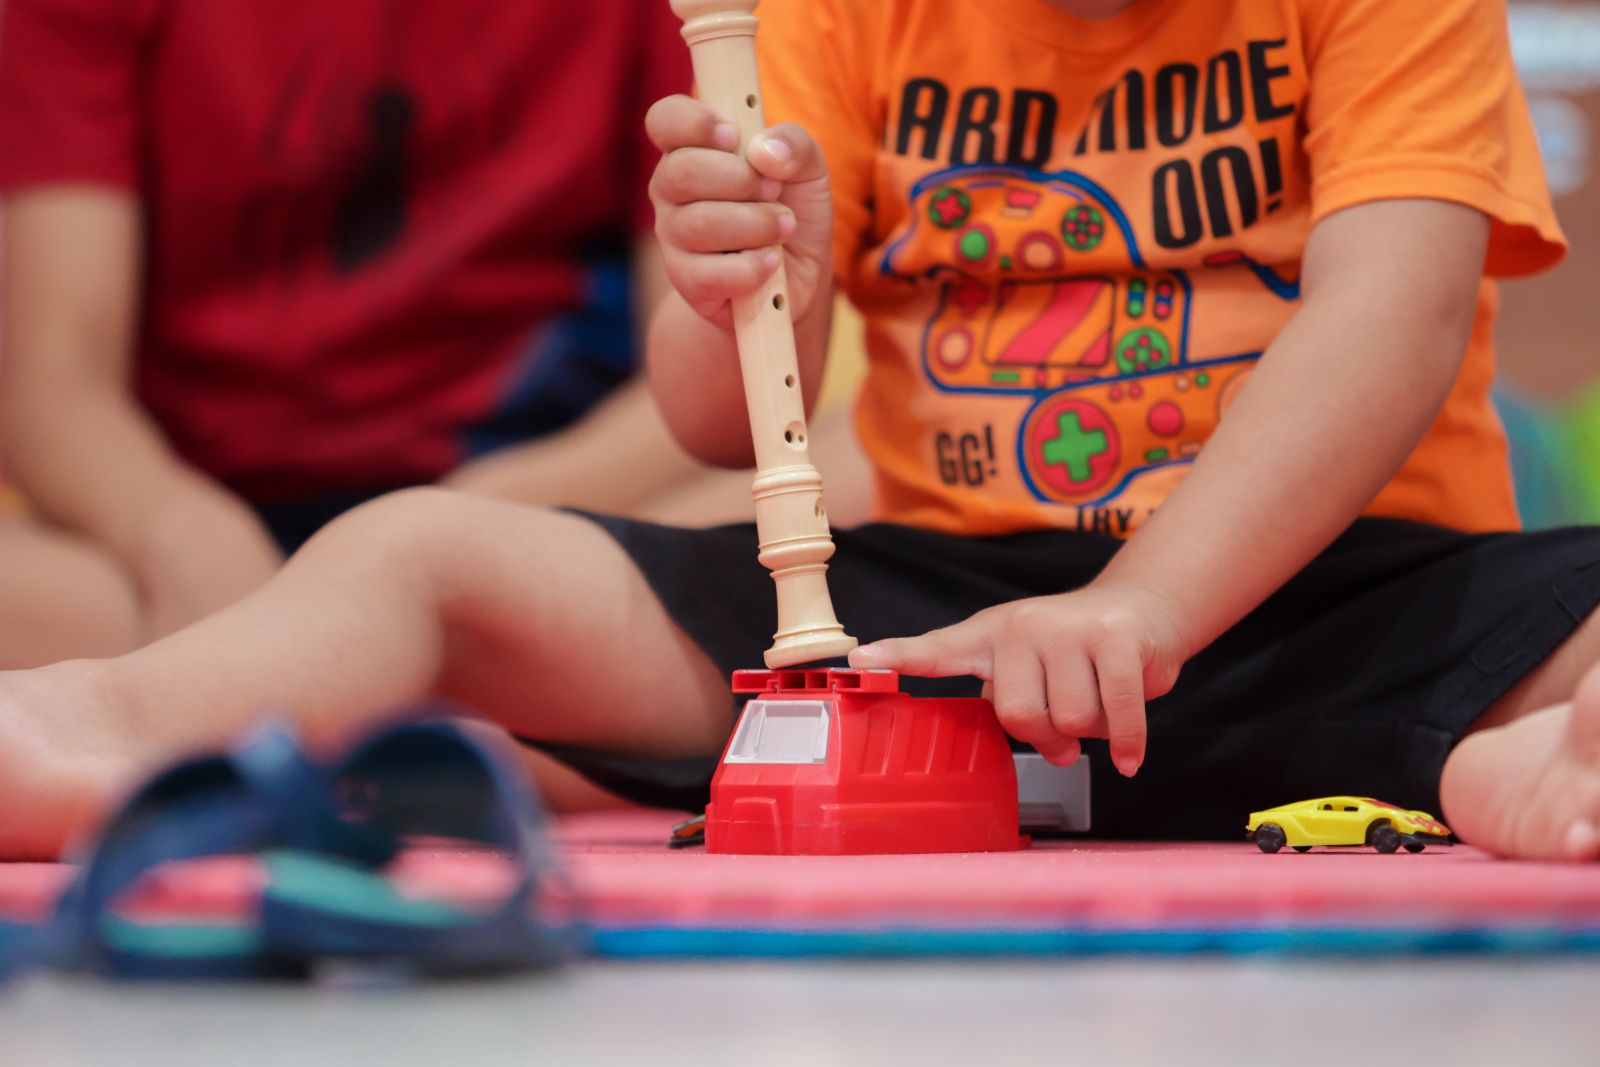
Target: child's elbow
1444,318
1445,296
715,433
715,442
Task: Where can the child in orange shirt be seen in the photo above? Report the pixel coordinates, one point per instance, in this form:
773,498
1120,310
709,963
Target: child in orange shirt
1179,343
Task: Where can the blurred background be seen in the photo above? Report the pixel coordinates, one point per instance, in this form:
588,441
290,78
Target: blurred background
1549,335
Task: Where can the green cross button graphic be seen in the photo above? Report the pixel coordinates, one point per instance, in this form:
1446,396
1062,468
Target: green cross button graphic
1073,447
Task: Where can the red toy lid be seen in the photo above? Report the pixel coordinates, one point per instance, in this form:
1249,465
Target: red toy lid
818,680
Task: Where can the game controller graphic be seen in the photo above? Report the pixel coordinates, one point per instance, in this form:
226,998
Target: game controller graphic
1079,445
1023,308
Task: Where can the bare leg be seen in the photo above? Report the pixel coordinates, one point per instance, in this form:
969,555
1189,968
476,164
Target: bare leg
564,790
60,598
536,619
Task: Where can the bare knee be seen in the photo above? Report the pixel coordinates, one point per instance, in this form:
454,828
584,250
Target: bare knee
401,527
426,534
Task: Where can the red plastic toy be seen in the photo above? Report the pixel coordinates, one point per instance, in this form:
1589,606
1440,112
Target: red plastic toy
840,762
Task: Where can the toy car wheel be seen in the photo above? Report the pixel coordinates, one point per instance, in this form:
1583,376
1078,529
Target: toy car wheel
1302,848
1270,837
1383,837
1414,847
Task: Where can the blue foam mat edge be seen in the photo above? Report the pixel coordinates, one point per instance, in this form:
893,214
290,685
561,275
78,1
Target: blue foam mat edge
914,942
906,942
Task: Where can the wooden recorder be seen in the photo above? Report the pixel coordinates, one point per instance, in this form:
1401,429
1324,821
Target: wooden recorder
790,521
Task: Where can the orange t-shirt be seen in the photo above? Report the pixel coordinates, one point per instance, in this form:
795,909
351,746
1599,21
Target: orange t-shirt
1072,239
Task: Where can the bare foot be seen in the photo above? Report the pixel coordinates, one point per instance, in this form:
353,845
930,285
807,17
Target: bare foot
1531,789
62,758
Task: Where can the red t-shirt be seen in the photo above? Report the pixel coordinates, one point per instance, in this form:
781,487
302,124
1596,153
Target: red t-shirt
382,235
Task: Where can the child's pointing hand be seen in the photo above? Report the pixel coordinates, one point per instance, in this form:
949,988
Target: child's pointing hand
1058,668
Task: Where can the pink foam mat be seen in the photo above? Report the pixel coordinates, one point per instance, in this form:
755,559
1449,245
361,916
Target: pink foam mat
629,878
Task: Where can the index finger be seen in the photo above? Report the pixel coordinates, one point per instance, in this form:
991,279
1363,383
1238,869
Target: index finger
684,122
945,653
1121,676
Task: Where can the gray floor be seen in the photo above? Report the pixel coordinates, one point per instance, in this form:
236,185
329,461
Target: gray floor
1124,1012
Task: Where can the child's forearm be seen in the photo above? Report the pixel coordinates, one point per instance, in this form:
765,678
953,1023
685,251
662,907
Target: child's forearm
74,437
694,373
87,460
91,461
1337,403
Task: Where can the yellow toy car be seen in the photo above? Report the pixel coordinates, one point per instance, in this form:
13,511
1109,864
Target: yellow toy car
1344,821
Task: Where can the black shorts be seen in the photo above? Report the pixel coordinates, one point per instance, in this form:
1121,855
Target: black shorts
1357,677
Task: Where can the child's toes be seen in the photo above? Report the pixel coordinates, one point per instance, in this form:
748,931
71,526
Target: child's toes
1583,731
1583,724
1583,840
1588,695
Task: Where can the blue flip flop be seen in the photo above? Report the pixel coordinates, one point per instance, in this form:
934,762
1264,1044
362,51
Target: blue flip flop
431,780
323,839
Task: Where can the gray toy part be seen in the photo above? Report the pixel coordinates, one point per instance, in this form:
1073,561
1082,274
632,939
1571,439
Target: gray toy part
1051,799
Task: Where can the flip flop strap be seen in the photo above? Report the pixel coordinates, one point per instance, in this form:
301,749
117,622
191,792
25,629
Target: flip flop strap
488,802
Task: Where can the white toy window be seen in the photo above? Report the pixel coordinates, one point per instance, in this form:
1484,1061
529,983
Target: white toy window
781,731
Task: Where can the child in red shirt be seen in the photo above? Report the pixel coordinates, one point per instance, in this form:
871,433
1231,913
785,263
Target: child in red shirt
266,261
